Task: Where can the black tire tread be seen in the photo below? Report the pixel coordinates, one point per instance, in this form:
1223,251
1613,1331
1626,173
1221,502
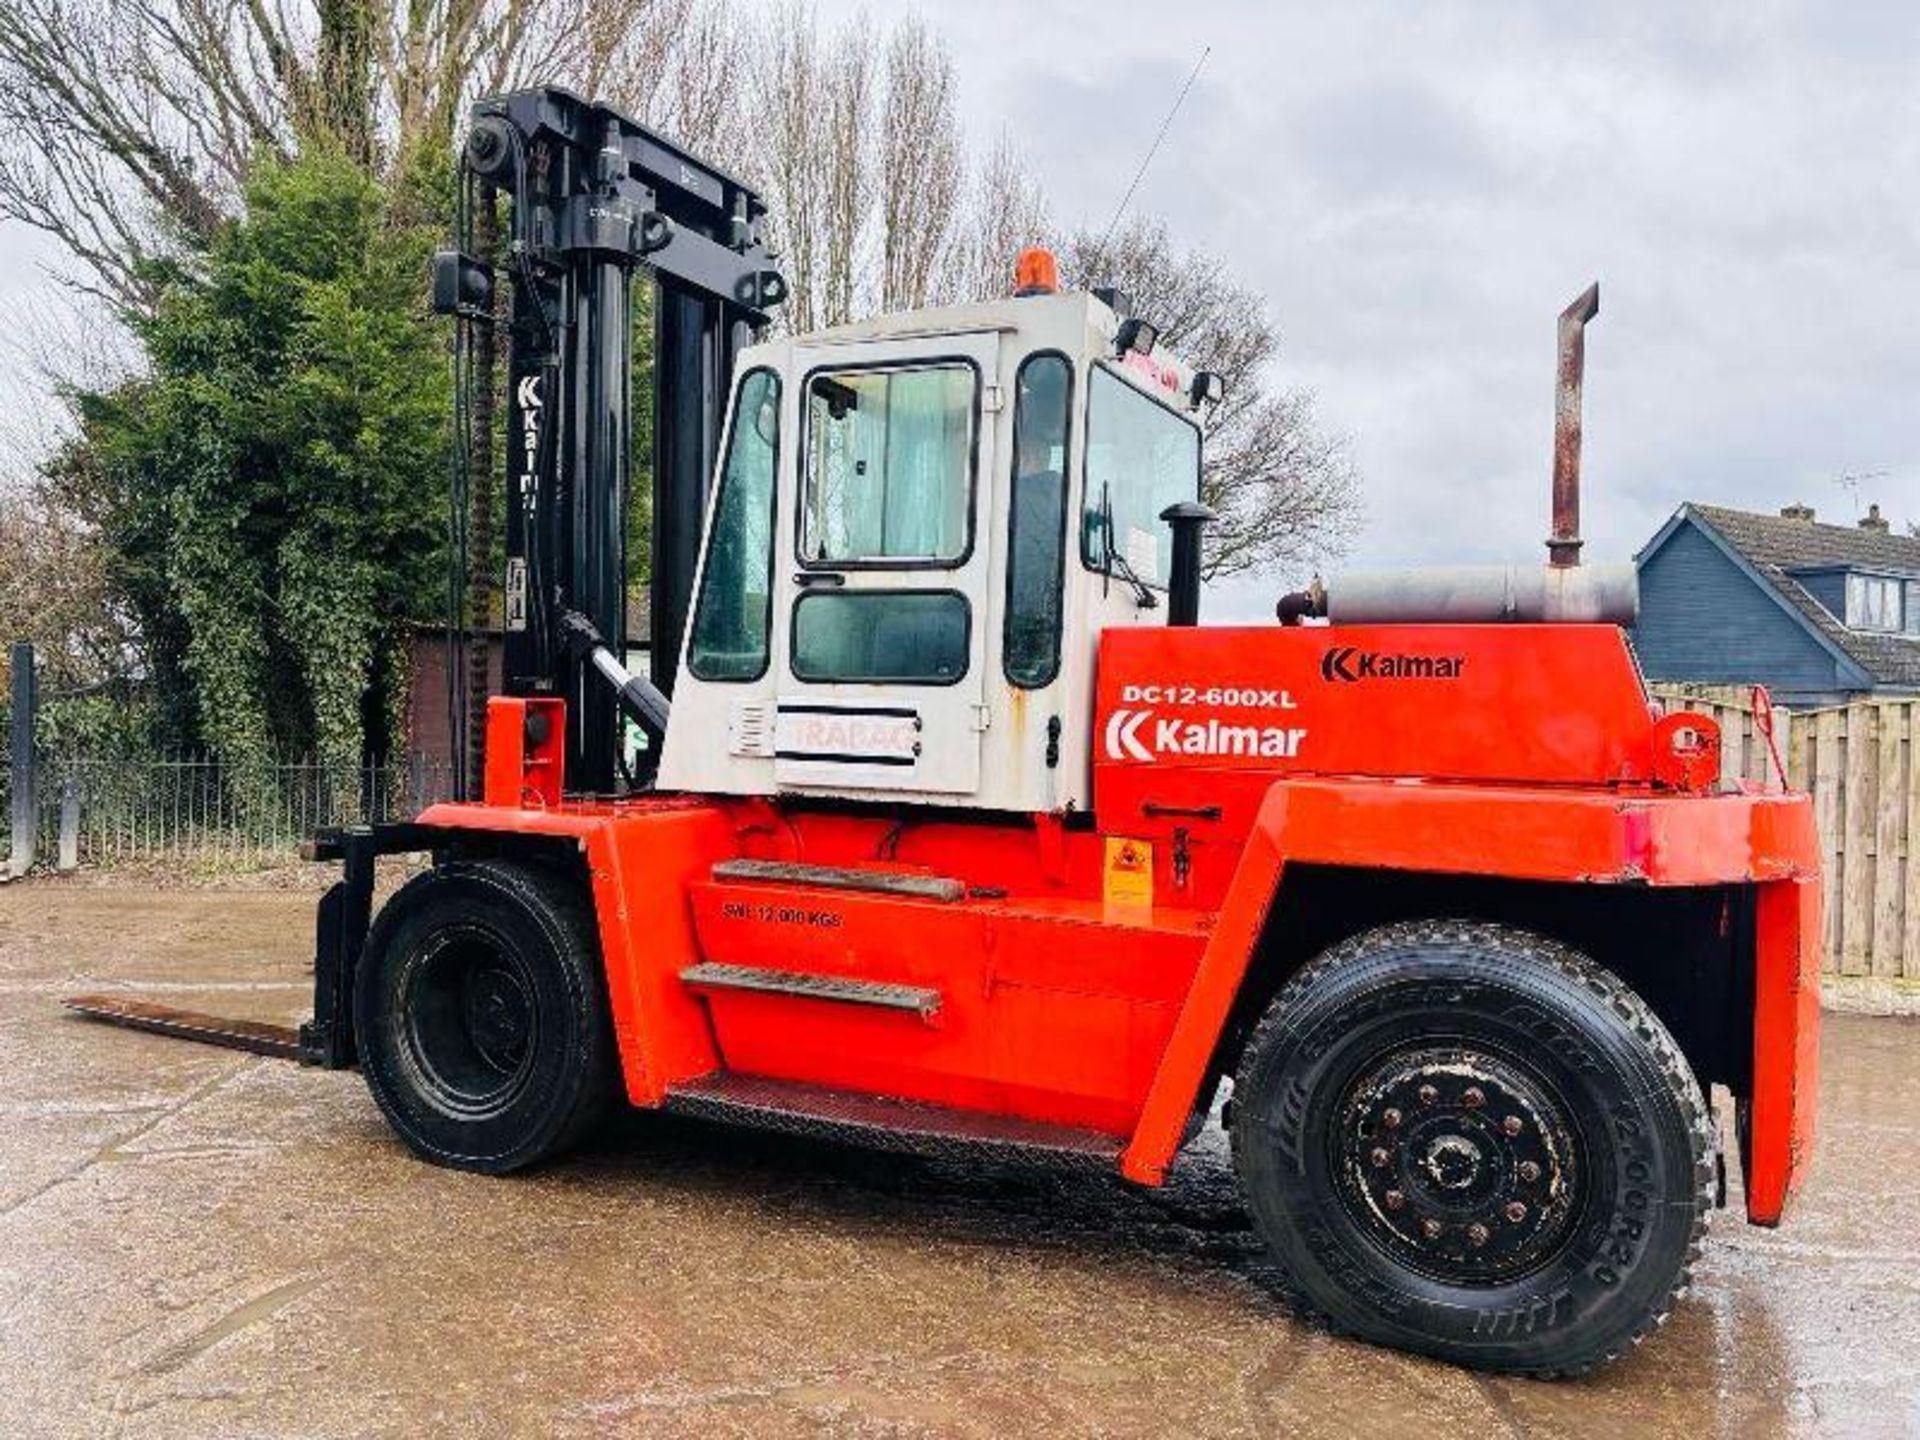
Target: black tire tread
1611,989
572,904
541,891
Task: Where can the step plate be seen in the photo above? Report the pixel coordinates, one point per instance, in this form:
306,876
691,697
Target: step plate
833,877
710,975
871,1120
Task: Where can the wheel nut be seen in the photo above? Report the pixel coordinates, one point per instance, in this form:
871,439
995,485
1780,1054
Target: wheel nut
1430,1229
1512,1125
1379,1157
1476,1234
1391,1119
1529,1171
1515,1211
1428,1095
1474,1098
1394,1199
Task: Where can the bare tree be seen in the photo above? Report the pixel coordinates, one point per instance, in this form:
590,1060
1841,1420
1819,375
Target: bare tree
859,151
1006,212
842,189
126,126
849,169
130,124
681,66
812,100
1286,490
922,167
105,126
54,592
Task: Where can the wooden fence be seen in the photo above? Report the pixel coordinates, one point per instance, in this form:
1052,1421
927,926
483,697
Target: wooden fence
1858,762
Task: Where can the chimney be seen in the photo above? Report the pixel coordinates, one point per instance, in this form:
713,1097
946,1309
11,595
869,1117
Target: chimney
1873,520
1797,512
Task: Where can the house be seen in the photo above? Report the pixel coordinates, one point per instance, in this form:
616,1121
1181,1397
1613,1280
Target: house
1819,613
427,717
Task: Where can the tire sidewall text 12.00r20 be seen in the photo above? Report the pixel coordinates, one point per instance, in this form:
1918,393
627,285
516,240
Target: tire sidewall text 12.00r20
1469,1141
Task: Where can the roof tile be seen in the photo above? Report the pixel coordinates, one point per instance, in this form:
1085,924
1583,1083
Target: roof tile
1776,545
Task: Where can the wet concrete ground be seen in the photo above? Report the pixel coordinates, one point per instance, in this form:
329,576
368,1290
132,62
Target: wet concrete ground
195,1242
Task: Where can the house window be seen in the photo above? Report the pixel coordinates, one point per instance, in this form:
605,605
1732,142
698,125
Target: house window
1873,603
1913,607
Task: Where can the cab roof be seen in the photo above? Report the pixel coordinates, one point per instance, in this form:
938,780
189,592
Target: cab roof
1160,374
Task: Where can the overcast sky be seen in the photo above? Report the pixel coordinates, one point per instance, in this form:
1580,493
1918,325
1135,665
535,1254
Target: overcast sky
1419,188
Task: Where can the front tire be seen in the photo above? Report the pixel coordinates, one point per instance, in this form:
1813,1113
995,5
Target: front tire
481,1016
1472,1142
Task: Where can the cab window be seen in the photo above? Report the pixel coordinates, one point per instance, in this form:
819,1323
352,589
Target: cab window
734,612
1037,520
871,637
889,467
1141,458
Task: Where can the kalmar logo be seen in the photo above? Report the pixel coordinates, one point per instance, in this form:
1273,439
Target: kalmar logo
1349,663
1123,735
1141,735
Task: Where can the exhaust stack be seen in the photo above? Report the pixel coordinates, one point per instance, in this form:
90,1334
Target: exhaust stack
1487,594
1561,592
1563,546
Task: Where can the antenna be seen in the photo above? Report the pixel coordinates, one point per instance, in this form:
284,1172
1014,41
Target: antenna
1165,125
1851,482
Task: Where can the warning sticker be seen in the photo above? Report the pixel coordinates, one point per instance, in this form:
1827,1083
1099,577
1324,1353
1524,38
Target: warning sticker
516,593
1129,872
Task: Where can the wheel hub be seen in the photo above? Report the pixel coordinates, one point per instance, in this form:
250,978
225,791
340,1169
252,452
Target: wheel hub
1459,1163
469,1021
1454,1162
497,1017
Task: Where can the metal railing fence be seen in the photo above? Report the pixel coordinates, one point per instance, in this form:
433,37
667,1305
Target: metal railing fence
197,811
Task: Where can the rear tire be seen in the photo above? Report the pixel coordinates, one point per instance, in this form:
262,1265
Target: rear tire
1472,1142
481,1016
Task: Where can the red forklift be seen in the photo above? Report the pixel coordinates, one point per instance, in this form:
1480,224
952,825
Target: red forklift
940,824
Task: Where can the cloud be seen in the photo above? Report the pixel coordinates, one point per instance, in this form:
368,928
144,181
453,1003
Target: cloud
1418,189
1396,140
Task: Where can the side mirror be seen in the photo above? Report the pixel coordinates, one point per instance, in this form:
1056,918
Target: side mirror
1096,523
1093,539
1137,335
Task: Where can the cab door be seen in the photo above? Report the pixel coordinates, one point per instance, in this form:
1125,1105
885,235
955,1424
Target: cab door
882,651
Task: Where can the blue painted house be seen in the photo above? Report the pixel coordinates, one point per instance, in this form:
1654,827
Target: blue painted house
1818,613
